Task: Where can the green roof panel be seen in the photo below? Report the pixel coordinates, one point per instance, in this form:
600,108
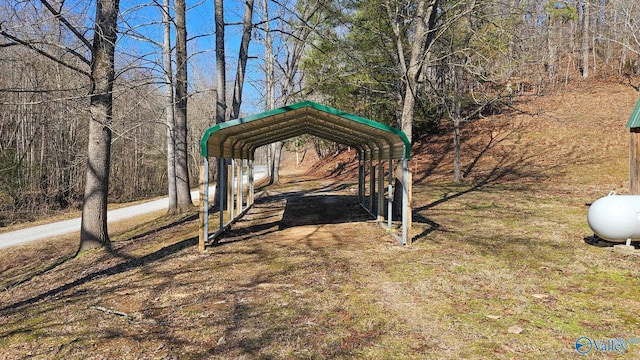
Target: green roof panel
634,119
239,138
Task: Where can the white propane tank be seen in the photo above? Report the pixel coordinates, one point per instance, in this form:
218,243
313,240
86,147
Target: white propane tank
615,217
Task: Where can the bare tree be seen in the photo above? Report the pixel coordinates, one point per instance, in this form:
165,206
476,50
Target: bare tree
420,37
274,149
221,73
243,56
169,106
101,75
293,31
223,113
221,92
181,133
584,38
93,231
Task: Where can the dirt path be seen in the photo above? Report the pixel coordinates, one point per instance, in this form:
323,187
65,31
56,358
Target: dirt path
317,212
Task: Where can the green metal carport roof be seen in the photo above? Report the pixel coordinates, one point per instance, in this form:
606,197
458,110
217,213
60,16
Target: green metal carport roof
241,137
634,119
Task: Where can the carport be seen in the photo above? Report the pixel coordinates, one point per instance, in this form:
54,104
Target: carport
234,143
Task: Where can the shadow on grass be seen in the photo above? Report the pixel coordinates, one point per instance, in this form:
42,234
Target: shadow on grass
131,263
150,224
314,207
511,165
250,307
56,262
109,248
496,176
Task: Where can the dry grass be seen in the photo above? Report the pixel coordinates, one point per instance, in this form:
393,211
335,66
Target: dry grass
499,267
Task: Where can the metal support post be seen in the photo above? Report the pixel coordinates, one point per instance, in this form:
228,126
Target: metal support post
232,212
251,183
241,186
372,185
380,188
405,201
390,194
360,178
364,179
221,191
204,205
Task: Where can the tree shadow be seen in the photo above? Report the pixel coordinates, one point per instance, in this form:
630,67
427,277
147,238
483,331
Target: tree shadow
438,148
30,276
317,206
110,248
511,165
131,263
181,220
250,311
431,226
497,139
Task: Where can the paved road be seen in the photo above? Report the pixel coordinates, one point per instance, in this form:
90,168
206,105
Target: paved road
69,226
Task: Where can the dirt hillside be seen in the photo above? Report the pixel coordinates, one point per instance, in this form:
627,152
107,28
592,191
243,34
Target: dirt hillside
565,136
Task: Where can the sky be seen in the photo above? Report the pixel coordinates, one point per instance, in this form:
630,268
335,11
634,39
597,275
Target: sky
141,33
201,47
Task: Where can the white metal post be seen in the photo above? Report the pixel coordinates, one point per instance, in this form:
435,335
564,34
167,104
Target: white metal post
372,184
232,206
405,200
205,198
362,184
251,183
360,177
390,194
221,191
380,188
241,187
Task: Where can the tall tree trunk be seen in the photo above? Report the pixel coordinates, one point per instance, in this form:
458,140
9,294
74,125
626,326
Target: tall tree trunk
169,102
584,38
243,55
269,65
460,85
423,36
551,52
181,154
221,74
275,164
221,92
457,162
270,85
93,231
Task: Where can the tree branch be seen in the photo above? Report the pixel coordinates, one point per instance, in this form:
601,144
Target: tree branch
47,55
66,23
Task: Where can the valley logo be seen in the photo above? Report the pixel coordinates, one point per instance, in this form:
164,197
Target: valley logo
585,345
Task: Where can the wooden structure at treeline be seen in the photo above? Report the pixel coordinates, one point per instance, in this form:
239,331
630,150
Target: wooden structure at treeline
634,150
234,143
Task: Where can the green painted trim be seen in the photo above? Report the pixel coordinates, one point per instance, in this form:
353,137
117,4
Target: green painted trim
296,106
634,119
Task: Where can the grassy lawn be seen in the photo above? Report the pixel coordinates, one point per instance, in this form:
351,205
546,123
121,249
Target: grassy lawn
499,267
